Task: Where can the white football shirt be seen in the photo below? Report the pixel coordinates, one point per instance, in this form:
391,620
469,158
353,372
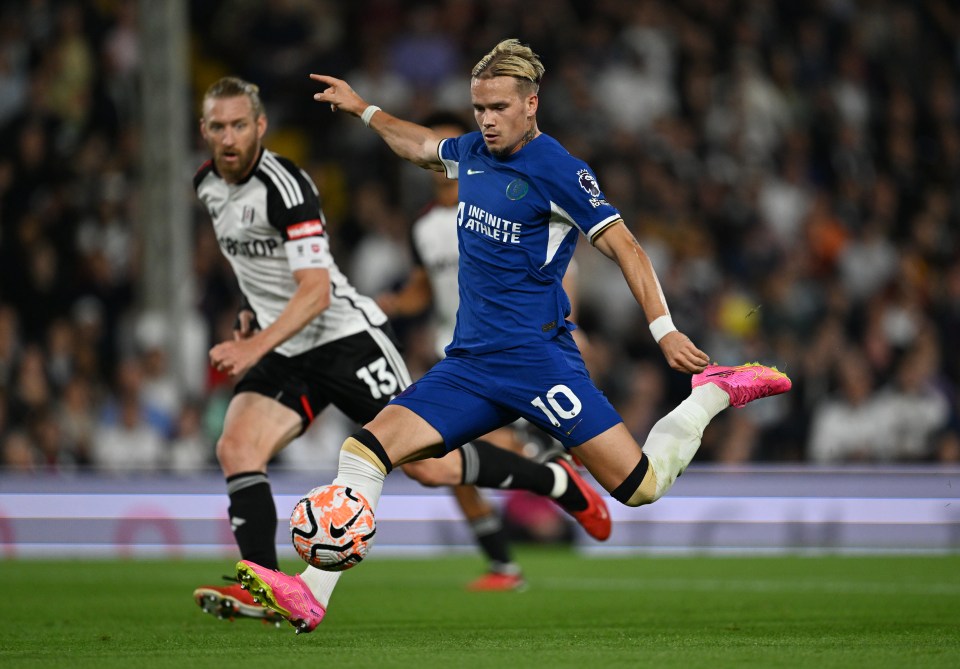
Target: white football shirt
270,225
434,241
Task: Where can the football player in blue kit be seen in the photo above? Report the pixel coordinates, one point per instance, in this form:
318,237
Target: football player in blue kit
433,287
307,339
523,201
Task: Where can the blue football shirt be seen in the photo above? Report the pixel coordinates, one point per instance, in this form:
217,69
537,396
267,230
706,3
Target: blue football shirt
517,226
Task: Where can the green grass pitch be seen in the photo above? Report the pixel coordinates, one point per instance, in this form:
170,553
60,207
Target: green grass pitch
584,612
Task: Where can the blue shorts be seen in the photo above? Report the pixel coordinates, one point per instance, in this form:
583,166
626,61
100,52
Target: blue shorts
464,396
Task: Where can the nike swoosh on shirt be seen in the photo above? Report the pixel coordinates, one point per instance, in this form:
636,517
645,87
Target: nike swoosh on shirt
472,172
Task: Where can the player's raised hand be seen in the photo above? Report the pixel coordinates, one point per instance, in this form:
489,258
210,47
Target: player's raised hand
339,95
682,355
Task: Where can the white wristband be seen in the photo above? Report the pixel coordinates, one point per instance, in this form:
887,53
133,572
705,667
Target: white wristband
368,114
661,327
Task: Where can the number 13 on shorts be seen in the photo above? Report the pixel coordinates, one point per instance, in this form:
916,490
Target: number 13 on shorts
379,379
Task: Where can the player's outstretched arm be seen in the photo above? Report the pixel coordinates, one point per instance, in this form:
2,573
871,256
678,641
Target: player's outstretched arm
410,141
619,244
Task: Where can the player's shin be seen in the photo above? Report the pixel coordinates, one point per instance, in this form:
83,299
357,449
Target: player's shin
670,446
486,466
321,583
253,517
363,466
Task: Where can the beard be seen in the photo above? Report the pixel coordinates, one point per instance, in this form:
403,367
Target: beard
505,151
235,170
499,153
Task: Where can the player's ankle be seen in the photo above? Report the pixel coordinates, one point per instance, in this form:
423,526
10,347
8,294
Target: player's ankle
566,493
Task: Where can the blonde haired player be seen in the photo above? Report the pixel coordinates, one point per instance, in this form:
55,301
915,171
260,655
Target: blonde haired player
524,200
305,340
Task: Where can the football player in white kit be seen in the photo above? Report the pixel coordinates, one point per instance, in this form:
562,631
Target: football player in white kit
317,342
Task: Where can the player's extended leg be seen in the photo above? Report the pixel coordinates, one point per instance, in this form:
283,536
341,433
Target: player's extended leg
255,428
482,464
364,464
634,477
394,437
303,599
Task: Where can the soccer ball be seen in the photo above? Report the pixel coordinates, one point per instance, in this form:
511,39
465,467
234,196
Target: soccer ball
332,527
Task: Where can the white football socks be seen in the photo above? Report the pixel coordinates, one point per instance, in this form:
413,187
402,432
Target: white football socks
675,438
670,447
359,474
561,480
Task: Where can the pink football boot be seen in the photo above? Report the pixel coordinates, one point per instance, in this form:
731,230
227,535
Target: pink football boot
287,595
745,383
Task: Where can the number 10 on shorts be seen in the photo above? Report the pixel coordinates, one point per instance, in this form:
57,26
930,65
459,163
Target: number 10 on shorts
556,409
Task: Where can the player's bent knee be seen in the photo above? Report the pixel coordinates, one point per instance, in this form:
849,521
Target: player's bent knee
365,445
222,450
429,473
640,486
229,452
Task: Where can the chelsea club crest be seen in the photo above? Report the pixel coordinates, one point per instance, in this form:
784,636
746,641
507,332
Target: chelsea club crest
517,188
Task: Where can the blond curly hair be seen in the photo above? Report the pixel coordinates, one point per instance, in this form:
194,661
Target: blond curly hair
510,58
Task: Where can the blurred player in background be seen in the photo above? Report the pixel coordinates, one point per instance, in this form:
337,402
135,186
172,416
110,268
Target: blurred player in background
523,202
306,339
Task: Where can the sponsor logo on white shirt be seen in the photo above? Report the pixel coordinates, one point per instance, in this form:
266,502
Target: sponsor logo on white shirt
305,229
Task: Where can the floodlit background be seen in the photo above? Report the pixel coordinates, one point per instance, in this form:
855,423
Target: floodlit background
793,169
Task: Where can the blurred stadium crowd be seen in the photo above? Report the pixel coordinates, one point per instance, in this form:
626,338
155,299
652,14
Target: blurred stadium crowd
792,168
